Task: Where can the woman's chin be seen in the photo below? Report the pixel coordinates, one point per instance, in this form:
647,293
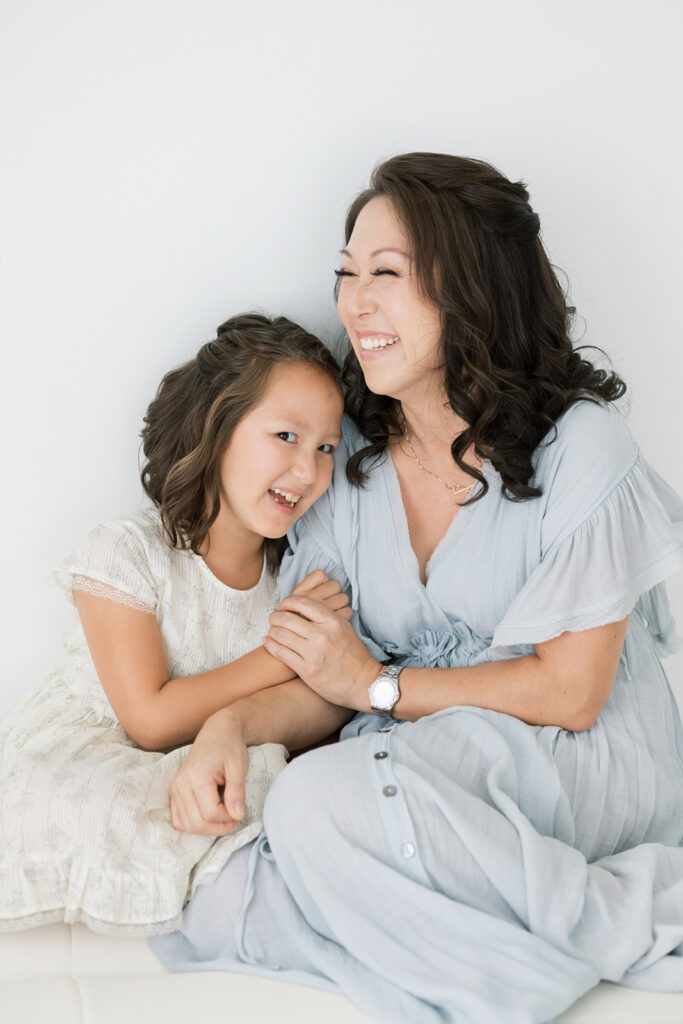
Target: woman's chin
380,384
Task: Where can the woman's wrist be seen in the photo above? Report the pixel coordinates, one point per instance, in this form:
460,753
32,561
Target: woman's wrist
370,670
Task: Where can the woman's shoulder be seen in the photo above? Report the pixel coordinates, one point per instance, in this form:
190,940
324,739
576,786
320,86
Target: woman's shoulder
590,442
352,439
340,487
583,461
336,508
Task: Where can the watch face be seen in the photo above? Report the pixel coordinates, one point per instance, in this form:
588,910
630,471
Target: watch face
384,694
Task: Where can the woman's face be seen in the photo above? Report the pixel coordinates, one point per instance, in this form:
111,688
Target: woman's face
395,332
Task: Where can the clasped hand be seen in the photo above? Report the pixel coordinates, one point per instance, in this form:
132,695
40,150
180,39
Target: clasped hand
207,796
321,646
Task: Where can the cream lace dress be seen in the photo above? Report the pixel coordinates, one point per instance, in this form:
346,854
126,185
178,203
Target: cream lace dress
84,816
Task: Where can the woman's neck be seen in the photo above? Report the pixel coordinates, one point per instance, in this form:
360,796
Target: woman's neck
433,424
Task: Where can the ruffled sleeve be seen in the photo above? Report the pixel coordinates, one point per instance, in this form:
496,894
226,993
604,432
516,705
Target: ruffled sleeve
610,534
113,562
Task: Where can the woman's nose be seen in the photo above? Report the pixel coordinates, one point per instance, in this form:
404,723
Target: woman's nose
358,297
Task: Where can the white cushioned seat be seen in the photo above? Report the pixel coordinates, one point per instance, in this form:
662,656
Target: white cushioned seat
66,974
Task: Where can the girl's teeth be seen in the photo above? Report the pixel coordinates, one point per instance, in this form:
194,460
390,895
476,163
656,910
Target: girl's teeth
287,495
378,341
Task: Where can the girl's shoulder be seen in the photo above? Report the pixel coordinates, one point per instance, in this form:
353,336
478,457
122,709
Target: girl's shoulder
139,531
127,553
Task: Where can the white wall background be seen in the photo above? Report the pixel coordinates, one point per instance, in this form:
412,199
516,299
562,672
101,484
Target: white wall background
166,163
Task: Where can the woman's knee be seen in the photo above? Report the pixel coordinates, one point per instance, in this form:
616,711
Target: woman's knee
308,797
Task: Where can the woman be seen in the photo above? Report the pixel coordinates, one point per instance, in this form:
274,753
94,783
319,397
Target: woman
503,826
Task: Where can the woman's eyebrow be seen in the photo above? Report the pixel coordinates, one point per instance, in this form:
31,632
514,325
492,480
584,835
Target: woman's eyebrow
387,248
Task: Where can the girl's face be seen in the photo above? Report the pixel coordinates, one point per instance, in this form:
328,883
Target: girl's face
395,332
279,459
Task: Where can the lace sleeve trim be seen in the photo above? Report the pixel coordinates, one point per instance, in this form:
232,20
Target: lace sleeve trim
99,589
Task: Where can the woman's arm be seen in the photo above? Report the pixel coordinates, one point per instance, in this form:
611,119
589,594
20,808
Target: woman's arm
158,713
566,682
290,714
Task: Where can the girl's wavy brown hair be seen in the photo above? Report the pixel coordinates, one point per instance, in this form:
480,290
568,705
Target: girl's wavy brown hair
509,364
190,422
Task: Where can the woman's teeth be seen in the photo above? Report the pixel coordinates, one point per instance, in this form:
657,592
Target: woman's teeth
378,341
285,497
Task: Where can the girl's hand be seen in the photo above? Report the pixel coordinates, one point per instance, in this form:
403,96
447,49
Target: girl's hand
317,586
323,649
218,758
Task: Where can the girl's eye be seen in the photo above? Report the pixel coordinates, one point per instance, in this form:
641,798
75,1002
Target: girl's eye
287,435
378,273
328,449
343,273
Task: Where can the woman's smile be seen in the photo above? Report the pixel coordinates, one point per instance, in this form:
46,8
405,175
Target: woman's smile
375,342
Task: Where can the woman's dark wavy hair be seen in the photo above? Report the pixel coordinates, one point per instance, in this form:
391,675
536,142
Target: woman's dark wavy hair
510,367
196,409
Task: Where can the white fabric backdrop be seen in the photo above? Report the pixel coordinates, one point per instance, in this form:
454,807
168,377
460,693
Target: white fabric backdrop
166,163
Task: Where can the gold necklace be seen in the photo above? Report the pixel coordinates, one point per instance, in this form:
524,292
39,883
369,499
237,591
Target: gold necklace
453,488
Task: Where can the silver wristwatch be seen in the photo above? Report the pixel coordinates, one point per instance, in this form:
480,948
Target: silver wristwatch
384,692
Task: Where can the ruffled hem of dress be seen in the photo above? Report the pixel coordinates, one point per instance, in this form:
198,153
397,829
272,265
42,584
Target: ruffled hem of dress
111,905
95,924
576,568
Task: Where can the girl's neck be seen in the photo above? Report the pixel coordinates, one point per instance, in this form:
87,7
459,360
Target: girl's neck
237,562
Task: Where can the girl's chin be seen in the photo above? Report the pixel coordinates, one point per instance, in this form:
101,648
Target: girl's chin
274,530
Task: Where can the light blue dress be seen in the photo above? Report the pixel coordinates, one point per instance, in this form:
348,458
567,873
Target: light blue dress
470,867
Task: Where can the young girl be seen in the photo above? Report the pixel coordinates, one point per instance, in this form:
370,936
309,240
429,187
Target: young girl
172,604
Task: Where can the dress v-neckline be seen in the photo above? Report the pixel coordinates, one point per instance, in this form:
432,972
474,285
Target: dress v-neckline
450,538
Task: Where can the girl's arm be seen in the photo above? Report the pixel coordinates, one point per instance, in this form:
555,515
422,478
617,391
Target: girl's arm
291,714
158,713
566,682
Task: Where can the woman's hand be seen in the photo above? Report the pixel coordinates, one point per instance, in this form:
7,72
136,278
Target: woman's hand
323,649
317,586
218,758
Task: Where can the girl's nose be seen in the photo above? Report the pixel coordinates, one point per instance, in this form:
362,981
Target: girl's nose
305,467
